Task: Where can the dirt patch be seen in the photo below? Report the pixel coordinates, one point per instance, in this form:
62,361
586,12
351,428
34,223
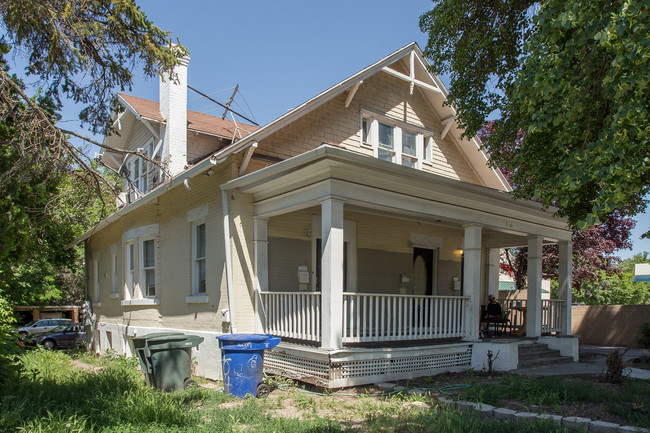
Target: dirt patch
87,367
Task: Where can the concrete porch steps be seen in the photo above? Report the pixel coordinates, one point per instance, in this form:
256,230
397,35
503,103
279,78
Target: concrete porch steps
536,354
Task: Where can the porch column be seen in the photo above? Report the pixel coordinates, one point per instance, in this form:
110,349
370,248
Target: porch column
534,302
494,271
332,273
261,279
565,271
472,279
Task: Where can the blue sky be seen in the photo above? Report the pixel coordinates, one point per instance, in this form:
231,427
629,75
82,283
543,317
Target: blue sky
282,53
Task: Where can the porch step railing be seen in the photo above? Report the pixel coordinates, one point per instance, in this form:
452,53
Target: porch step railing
377,317
293,314
552,315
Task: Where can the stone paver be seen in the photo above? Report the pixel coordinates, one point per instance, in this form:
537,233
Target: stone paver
632,429
526,416
416,392
503,413
557,419
575,422
603,426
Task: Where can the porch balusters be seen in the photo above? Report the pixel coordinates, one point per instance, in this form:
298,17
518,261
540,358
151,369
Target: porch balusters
293,314
376,318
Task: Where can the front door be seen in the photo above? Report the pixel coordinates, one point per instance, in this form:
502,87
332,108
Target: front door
423,271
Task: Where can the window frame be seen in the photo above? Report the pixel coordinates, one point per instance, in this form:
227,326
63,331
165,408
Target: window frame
95,261
196,260
370,124
114,268
144,287
129,266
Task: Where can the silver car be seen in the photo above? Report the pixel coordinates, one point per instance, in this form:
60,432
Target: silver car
40,326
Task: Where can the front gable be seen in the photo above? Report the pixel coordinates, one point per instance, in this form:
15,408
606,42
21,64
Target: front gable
392,110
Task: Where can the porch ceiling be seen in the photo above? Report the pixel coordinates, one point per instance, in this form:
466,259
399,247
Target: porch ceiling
368,183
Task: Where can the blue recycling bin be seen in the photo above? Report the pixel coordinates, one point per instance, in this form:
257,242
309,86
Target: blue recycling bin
242,360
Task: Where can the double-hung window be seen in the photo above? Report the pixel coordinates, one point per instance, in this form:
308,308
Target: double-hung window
148,268
130,269
198,259
395,141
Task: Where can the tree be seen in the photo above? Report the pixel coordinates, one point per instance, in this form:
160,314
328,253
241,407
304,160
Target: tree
80,51
617,288
568,82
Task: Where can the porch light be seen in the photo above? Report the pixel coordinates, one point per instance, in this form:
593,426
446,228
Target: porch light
459,251
308,232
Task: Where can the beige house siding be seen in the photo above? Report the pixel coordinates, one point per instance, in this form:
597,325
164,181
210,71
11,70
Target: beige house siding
382,94
173,254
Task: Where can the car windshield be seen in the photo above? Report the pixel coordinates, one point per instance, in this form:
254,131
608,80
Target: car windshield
59,328
29,324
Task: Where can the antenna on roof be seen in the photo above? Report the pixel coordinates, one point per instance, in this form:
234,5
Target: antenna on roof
222,105
230,102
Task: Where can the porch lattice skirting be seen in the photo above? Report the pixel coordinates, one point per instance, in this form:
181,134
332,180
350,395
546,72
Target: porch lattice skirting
365,366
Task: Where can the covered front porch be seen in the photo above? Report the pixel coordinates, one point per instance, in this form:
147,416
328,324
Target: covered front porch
387,273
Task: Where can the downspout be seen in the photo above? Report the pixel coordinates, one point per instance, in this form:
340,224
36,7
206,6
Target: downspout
226,241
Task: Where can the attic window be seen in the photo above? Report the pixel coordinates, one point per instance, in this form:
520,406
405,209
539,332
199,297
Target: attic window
396,141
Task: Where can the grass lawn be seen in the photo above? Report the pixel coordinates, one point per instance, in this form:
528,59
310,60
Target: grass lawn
53,393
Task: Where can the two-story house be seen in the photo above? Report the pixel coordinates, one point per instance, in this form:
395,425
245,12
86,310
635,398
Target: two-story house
360,227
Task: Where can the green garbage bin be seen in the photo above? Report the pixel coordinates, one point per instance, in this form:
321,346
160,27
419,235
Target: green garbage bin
166,359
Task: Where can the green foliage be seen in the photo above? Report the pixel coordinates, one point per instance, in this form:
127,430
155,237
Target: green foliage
83,50
570,87
50,190
8,342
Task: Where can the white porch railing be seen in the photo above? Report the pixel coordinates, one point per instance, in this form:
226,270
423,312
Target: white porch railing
374,317
552,315
293,314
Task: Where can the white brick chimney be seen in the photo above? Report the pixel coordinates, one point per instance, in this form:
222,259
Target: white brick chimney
173,107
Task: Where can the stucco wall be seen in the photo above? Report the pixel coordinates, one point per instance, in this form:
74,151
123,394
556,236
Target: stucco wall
611,325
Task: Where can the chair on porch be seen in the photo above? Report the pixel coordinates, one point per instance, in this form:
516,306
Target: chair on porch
497,317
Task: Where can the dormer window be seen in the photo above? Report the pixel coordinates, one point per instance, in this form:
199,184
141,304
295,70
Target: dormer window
395,141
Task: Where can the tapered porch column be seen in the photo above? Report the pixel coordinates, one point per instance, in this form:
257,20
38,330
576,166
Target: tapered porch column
472,278
261,280
332,273
565,271
534,302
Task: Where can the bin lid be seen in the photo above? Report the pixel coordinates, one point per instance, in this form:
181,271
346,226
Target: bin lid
173,341
247,342
244,338
156,335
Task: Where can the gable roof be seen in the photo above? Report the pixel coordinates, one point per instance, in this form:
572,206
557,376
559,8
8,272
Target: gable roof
430,85
196,121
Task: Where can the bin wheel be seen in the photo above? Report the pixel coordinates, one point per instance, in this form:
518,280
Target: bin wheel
263,390
189,383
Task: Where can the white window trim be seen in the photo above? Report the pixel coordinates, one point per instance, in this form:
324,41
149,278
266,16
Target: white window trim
196,217
195,258
114,292
95,261
424,137
143,270
129,273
